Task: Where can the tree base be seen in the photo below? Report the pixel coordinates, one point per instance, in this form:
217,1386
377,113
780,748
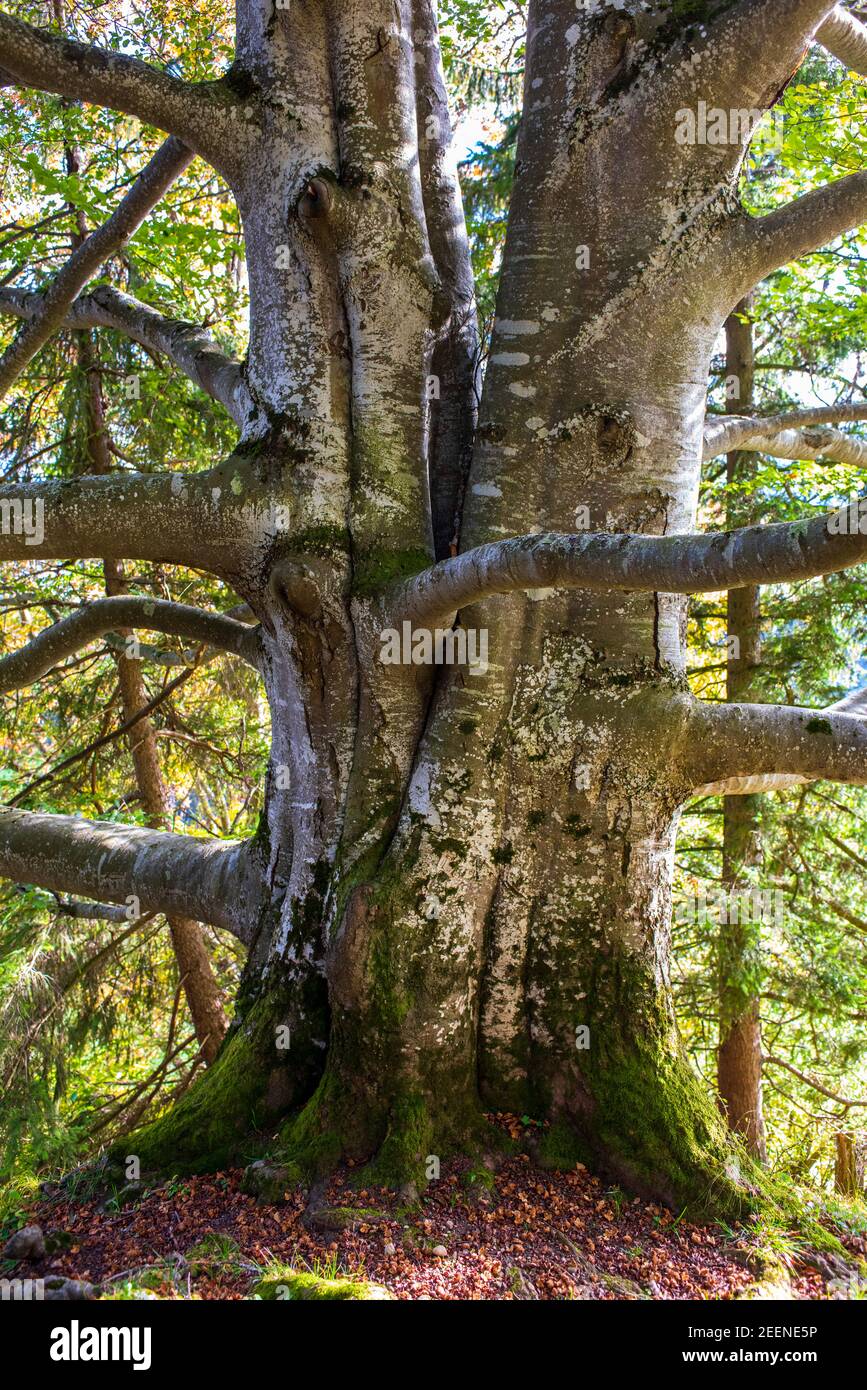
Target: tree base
644,1122
228,1114
403,1143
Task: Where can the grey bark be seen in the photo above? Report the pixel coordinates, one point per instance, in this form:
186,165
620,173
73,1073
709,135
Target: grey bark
208,880
70,634
845,36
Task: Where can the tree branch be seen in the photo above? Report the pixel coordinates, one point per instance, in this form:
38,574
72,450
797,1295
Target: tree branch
158,175
815,442
760,245
740,54
214,520
177,875
737,748
811,1081
846,37
70,634
779,553
190,347
197,113
725,433
92,912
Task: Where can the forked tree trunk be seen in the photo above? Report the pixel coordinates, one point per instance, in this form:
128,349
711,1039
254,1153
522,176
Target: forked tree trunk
470,874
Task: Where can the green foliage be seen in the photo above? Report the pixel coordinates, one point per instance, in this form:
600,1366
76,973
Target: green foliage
95,1033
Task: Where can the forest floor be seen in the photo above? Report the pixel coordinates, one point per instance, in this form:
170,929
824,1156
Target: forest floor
532,1234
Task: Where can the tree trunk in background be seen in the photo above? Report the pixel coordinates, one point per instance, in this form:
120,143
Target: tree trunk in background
739,1059
199,983
846,1180
202,992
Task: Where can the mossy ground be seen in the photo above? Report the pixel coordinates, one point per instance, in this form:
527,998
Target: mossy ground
283,1283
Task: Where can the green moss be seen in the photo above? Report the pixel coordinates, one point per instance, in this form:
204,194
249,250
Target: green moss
560,1149
503,854
408,1141
326,541
282,1282
211,1125
312,1139
643,1118
655,1129
269,1182
376,570
819,726
345,1218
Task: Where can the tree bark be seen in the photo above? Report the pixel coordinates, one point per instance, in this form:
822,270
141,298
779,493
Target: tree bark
739,1058
845,1167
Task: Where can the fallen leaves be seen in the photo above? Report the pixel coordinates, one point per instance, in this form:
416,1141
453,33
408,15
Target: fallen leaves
541,1235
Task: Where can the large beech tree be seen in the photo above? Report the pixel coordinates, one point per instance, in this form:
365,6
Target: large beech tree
457,871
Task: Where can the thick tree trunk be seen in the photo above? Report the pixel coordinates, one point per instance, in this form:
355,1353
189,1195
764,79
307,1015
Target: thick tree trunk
739,1059
476,867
